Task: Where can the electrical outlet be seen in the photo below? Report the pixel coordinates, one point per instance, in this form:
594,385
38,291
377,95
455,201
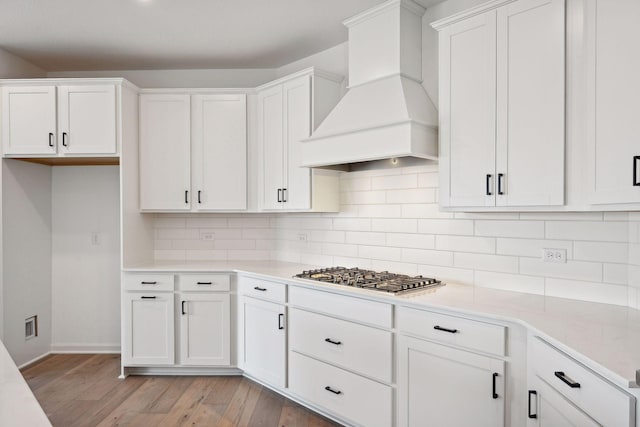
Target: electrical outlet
303,237
208,236
554,255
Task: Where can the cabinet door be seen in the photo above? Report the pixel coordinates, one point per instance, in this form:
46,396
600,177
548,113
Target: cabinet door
271,137
614,90
297,126
204,329
219,152
165,151
148,329
29,120
443,386
263,345
87,119
467,112
530,103
548,408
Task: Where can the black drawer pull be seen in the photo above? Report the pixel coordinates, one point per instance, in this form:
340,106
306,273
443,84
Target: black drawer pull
330,341
493,386
565,379
182,306
636,178
534,393
284,195
64,139
186,197
50,139
143,297
204,283
199,194
280,321
332,390
500,177
440,328
258,288
279,195
148,283
488,185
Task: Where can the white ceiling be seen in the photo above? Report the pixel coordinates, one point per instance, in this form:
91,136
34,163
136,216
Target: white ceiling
60,35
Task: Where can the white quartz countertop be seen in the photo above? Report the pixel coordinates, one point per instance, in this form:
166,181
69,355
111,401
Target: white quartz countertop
606,337
18,405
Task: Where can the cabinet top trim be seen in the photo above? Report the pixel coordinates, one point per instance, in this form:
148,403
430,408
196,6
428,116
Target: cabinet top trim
197,91
468,13
311,71
68,81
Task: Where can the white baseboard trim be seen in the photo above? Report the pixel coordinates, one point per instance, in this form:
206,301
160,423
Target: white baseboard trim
85,348
181,371
34,360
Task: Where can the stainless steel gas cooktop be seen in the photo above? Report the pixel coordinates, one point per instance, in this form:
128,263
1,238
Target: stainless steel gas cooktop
368,279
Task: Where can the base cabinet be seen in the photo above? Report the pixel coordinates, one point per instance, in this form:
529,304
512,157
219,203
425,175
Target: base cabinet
149,335
548,408
443,386
204,329
263,340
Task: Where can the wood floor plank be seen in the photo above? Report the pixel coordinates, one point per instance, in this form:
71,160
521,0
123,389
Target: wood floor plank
294,416
188,402
39,375
268,409
242,404
168,399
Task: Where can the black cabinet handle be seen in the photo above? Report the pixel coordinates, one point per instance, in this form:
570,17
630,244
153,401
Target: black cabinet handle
143,297
279,195
534,393
64,139
493,386
199,194
204,283
182,306
284,195
186,197
332,390
148,283
281,321
440,328
565,379
50,139
636,179
488,185
330,341
258,288
500,191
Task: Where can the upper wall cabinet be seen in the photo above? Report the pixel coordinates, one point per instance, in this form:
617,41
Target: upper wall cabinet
288,111
193,152
51,120
613,120
502,105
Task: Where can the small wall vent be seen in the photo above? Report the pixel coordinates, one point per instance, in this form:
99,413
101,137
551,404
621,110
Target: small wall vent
31,327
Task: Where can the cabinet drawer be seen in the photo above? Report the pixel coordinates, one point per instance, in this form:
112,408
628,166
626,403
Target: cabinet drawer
348,395
262,289
360,348
148,282
471,334
204,282
350,308
604,402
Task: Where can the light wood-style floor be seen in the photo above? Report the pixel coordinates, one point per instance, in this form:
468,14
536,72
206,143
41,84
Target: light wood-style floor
84,390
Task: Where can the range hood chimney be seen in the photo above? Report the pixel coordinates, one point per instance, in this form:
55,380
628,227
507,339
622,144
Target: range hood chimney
386,113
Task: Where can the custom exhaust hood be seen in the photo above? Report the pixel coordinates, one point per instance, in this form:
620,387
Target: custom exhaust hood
386,113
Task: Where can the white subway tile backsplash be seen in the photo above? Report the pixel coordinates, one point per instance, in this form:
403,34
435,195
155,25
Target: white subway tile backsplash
328,236
561,216
379,211
394,181
206,222
363,197
252,222
532,247
352,224
411,196
380,252
209,255
411,240
487,215
397,267
365,238
234,244
445,226
616,273
427,256
395,225
510,282
588,230
168,222
424,210
580,270
601,251
527,229
355,184
338,249
428,180
587,291
191,244
500,263
177,233
466,244
447,274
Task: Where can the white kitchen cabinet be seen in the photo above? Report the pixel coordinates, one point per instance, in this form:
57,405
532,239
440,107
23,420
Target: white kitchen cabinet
60,120
612,34
193,152
148,331
205,329
288,111
440,385
502,124
262,340
548,408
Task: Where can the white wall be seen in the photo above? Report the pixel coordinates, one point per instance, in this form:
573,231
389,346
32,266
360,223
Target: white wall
634,259
334,60
26,272
85,275
14,67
